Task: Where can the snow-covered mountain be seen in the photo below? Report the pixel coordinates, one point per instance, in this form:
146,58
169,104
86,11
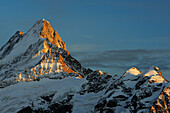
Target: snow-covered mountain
37,53
38,75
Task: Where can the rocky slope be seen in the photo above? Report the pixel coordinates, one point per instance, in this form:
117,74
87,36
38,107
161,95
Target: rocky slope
37,53
38,75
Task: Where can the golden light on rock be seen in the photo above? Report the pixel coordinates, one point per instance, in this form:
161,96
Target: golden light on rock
50,61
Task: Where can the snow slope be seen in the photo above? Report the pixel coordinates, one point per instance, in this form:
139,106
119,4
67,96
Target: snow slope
38,74
37,53
95,93
23,94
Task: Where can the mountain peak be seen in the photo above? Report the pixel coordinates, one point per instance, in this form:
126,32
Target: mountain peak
44,20
19,32
132,71
156,75
40,21
39,52
42,29
41,56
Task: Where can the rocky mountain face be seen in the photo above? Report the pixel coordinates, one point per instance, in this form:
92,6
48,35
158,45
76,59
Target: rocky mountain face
37,53
38,75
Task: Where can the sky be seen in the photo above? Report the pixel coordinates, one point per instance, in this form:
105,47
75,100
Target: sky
91,28
93,25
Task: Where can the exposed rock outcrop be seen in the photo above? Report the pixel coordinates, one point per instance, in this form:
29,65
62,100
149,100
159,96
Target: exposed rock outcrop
39,52
38,75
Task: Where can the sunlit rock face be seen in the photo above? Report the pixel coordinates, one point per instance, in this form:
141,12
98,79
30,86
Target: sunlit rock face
39,52
38,75
53,36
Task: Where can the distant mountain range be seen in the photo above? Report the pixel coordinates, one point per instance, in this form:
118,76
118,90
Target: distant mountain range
38,75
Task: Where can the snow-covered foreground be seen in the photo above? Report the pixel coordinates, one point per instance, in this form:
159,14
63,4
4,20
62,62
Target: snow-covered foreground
97,92
38,75
15,97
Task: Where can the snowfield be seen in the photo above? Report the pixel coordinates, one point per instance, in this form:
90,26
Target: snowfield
38,75
23,94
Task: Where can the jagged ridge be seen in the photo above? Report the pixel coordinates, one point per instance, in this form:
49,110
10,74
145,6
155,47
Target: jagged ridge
40,52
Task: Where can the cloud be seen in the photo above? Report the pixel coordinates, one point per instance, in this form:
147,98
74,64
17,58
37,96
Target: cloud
143,59
118,61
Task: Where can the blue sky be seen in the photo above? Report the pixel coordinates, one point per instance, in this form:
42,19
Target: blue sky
93,25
